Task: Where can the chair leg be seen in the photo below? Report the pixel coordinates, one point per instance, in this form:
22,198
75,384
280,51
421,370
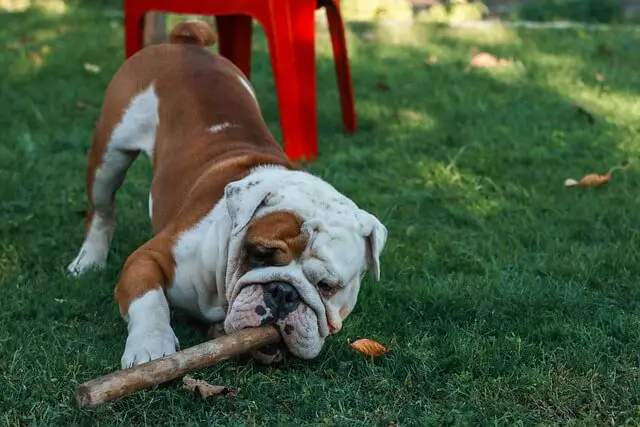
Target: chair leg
304,39
343,70
283,62
234,40
133,28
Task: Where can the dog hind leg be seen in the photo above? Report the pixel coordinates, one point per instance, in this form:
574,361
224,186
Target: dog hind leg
112,152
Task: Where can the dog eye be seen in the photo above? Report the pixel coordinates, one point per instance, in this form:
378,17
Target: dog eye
260,256
327,289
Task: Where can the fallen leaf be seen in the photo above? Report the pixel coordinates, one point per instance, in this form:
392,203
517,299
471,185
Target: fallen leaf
594,179
410,115
91,68
35,58
381,87
486,60
368,347
204,389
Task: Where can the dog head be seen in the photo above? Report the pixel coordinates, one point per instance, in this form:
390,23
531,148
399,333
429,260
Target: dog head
297,253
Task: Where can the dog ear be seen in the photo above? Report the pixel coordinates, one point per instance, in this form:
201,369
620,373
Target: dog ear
375,235
243,200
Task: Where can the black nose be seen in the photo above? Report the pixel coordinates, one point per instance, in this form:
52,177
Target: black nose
281,298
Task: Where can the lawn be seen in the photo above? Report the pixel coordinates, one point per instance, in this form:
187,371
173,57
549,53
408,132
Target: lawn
511,299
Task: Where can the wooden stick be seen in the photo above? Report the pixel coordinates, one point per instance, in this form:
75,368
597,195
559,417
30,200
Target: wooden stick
154,372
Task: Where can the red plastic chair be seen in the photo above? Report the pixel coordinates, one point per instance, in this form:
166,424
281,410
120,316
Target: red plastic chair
290,29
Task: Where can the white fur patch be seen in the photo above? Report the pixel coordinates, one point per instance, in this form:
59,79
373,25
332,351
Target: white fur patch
137,129
201,260
220,127
94,250
150,334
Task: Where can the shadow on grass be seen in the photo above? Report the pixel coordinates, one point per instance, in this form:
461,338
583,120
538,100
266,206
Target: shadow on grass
495,275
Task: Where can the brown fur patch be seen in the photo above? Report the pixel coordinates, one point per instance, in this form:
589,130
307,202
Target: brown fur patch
276,236
148,268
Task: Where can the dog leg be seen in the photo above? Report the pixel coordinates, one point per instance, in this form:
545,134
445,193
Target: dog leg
105,174
140,296
121,133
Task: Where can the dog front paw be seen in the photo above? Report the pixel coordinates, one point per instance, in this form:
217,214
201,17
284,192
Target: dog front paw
149,344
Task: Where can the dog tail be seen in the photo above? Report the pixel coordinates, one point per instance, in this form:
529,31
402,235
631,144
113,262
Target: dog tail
193,32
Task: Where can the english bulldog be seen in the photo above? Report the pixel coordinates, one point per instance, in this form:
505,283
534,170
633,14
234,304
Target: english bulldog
241,234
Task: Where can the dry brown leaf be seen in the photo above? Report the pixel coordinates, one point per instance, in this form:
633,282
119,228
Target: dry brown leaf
486,60
368,347
381,87
590,180
594,179
35,58
204,389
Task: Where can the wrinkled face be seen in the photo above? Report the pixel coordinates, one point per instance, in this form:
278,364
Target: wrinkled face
302,276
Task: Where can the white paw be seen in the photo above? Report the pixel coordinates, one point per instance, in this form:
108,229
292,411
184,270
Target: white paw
95,248
149,344
86,260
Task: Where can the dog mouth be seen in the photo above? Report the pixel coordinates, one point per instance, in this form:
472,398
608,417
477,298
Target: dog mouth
280,304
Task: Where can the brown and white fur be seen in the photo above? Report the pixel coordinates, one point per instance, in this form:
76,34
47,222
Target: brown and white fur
241,234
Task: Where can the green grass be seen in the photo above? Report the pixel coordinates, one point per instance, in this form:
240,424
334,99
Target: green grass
512,299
